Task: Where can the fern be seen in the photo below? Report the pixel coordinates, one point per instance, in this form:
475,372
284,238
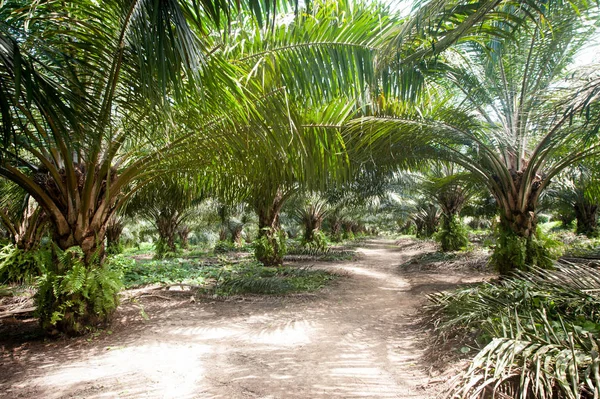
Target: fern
75,296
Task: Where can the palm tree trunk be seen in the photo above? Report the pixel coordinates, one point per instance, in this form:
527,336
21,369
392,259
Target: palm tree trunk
336,229
586,215
113,235
166,225
271,242
236,233
517,246
184,234
452,234
30,230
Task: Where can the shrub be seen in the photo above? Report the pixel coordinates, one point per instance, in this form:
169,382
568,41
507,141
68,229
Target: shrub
162,250
271,247
318,243
452,234
19,266
254,278
223,247
73,296
515,252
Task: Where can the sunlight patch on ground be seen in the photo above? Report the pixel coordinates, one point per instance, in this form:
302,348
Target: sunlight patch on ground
397,282
164,370
276,334
208,333
291,334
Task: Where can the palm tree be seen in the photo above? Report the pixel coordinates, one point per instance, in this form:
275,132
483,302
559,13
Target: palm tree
168,202
99,99
450,188
311,215
577,194
233,219
114,230
505,120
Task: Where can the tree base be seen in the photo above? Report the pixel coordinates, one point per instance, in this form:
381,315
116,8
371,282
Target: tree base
74,298
270,248
513,252
452,235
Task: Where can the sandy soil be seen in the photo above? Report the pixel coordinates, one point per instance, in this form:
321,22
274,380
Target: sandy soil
359,338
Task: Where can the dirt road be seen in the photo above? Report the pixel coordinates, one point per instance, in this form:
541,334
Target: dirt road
356,339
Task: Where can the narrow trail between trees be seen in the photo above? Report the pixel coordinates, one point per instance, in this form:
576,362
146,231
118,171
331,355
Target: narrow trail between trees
356,339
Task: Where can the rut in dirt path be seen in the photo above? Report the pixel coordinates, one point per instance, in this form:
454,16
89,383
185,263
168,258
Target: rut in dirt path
356,340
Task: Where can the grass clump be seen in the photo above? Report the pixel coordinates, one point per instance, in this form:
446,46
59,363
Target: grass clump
538,334
225,278
254,278
167,271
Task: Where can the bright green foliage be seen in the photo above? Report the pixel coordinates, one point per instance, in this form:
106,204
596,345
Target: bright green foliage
170,271
254,278
74,297
326,254
222,247
452,234
540,332
348,235
506,109
163,251
17,265
229,279
271,247
514,251
319,242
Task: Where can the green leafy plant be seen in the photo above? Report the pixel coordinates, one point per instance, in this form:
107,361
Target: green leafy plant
539,333
21,266
73,297
254,278
168,271
222,247
514,251
452,234
271,247
318,242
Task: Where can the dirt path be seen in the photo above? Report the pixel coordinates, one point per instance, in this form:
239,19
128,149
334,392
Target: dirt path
357,339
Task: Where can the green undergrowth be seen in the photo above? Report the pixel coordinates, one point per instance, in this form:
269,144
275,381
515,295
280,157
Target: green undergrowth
534,335
254,278
19,266
579,246
329,254
224,277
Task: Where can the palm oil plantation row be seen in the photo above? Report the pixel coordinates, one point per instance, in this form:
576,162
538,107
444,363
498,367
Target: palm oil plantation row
264,130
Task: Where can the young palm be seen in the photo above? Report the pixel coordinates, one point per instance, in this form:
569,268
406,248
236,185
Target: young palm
576,193
450,188
168,202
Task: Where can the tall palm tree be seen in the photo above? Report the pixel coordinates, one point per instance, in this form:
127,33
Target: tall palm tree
97,100
507,120
86,98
